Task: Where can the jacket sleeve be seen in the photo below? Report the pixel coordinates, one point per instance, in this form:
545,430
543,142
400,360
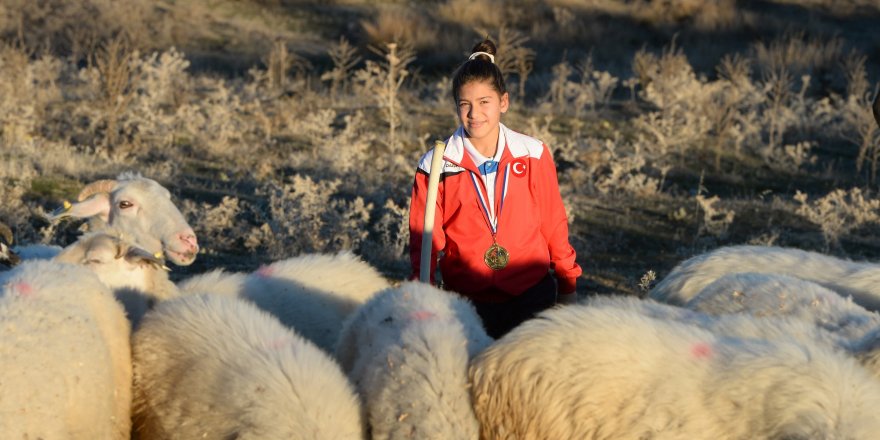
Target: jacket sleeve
416,225
554,225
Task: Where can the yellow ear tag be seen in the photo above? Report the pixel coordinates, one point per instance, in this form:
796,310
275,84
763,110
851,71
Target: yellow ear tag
158,255
67,205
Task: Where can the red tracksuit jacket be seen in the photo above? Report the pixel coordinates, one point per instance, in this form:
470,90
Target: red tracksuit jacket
532,224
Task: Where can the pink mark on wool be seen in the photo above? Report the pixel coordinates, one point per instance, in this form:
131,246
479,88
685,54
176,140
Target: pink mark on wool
701,350
266,271
22,289
279,343
422,315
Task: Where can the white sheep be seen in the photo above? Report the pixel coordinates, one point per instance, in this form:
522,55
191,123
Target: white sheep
66,355
761,294
740,325
407,351
213,366
867,351
845,329
137,278
311,293
215,282
847,278
609,373
141,209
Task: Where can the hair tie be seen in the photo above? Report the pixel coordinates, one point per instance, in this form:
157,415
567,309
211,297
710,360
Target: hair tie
476,54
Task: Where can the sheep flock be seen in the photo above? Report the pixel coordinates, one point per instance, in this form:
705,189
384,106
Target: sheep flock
742,342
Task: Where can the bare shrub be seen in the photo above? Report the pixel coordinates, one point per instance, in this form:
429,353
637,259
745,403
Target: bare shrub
716,220
794,52
279,62
646,282
838,213
345,58
217,226
858,125
587,91
113,64
628,172
388,242
475,13
309,216
13,211
513,55
216,124
76,28
401,24
611,167
382,82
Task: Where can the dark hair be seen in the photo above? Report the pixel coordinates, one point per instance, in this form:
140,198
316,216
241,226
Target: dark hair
480,68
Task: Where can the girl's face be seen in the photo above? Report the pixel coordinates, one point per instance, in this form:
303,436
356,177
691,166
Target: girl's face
479,110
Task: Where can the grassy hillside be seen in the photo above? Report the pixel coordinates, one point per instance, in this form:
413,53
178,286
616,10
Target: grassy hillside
285,127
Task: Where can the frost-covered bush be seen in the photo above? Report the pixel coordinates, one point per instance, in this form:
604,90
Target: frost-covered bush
311,216
839,212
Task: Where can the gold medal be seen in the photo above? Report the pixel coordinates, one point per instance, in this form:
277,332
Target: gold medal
496,257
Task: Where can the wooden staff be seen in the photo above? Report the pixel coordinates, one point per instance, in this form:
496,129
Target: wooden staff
430,208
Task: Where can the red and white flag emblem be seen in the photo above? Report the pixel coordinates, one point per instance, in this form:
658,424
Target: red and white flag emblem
519,167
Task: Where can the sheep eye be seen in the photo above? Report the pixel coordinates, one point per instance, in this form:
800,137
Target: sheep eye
125,204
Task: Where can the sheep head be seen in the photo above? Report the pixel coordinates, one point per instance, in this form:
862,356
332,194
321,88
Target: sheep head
139,208
117,263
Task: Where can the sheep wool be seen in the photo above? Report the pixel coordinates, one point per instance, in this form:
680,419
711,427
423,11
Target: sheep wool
792,322
582,372
760,294
66,355
845,277
210,366
314,293
215,282
407,350
867,350
137,278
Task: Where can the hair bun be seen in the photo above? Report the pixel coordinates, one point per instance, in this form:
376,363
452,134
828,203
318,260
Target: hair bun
484,50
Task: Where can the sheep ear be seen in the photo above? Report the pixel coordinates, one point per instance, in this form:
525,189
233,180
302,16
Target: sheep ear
136,255
96,205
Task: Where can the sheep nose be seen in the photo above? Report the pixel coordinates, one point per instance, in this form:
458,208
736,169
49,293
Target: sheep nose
189,239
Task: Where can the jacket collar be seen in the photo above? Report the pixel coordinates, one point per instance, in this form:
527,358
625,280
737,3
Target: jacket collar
456,153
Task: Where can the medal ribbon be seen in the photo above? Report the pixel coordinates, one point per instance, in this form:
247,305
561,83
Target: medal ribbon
491,219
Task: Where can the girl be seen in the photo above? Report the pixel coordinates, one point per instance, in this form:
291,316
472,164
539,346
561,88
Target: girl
500,227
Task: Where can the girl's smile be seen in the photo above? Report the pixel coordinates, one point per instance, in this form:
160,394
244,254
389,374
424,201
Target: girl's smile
479,110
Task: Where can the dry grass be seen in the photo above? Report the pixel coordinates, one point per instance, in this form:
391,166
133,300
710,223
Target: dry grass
396,24
313,148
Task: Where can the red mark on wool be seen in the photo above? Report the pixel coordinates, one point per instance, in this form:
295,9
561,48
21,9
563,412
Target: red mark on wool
265,271
22,288
279,343
701,350
421,315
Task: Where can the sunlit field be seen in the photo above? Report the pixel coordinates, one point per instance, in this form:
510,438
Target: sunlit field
285,127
